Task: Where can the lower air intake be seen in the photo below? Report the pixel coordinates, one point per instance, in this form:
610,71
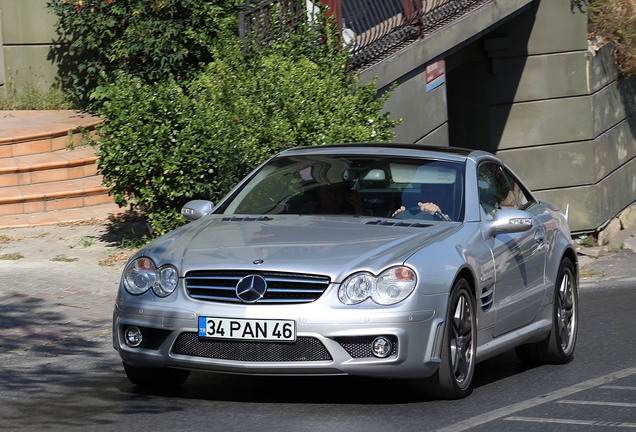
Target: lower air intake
305,349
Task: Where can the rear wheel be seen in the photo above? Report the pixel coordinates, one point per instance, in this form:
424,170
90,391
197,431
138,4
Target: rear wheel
454,378
156,377
558,346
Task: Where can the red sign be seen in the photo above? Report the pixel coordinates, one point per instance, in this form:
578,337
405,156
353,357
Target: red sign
435,74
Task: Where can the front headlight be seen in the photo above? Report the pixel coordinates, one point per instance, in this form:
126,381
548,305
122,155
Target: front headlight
390,287
167,280
142,274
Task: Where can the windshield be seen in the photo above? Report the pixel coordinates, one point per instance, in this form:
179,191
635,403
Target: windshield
406,188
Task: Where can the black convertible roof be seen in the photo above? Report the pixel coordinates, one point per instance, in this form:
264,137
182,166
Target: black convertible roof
452,150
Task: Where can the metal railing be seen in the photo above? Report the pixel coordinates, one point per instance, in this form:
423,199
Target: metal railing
370,29
261,22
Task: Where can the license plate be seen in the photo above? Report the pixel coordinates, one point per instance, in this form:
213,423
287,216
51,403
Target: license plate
247,329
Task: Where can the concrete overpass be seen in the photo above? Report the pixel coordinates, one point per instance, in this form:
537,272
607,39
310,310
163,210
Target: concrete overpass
517,78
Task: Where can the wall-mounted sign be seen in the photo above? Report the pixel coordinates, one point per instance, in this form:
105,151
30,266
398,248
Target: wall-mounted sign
435,74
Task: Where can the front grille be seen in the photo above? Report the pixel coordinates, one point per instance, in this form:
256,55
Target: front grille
305,349
220,286
360,346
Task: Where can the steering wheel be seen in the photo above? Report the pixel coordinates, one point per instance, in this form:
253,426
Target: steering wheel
416,213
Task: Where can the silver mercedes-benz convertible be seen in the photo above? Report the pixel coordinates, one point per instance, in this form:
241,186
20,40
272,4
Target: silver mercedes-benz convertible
377,260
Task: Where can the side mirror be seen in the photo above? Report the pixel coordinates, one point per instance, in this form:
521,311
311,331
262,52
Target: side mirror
196,209
510,221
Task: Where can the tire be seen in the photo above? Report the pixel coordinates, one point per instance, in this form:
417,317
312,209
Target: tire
454,378
156,378
558,346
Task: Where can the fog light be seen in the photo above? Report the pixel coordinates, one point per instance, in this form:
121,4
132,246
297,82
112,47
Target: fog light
133,336
381,347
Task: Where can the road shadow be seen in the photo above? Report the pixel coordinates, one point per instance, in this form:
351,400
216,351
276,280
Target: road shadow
126,230
321,390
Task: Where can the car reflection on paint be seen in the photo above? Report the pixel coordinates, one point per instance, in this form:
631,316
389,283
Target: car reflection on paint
377,260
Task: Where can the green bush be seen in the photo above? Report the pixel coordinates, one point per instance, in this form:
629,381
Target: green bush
169,142
151,39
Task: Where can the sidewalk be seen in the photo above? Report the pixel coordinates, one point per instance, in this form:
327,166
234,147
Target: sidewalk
604,263
58,285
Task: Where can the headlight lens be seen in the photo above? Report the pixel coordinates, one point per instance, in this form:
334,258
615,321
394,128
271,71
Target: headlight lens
391,287
357,288
394,285
142,274
167,281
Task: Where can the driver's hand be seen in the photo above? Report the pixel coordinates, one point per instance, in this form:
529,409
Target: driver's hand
401,209
429,207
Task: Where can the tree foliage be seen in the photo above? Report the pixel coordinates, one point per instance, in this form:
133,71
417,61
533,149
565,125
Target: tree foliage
151,39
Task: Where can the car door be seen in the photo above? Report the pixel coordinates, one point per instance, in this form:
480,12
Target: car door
519,258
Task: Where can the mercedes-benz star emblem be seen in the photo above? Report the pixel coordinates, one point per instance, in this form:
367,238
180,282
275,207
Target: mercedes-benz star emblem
251,288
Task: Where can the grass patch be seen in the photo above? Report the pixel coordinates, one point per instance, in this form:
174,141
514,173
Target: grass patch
32,98
11,256
5,239
63,258
587,273
588,242
85,242
134,243
614,22
114,259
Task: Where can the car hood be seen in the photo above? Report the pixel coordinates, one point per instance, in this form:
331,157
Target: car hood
333,246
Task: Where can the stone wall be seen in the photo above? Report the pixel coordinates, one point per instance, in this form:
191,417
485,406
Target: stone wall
521,83
570,127
27,31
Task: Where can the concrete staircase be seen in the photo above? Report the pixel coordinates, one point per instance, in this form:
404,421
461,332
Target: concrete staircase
47,175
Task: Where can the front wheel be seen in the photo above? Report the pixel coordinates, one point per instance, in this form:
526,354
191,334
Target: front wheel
454,378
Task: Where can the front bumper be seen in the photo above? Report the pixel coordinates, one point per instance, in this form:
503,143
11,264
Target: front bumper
334,343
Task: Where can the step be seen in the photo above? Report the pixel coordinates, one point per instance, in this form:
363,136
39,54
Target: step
47,173
99,212
47,167
32,132
53,196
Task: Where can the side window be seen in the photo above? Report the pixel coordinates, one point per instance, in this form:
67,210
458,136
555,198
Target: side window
516,198
498,189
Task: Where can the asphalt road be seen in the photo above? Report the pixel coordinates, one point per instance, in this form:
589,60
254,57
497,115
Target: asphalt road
58,370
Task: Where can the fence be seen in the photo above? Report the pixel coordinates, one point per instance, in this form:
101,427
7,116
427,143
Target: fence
370,29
